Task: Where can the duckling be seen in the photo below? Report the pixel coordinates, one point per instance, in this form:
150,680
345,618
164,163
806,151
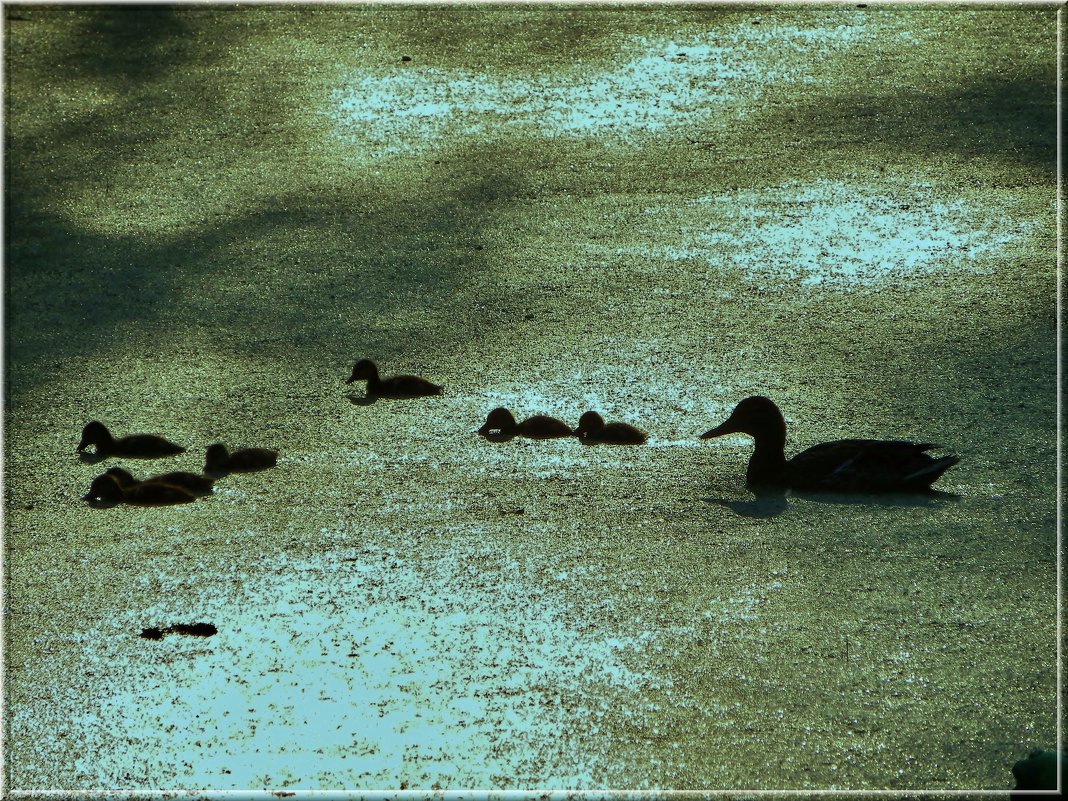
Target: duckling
539,426
136,446
106,488
398,386
592,428
845,465
194,483
220,461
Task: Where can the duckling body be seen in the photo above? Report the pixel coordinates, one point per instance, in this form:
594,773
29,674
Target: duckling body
194,483
219,460
538,426
106,488
846,465
398,386
593,429
134,446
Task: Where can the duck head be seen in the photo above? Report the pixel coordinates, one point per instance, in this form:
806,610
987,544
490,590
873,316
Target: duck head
756,416
589,423
363,370
95,433
216,457
500,419
104,488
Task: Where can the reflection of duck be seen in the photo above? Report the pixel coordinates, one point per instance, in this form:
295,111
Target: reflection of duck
593,428
398,386
539,426
219,460
106,488
846,465
194,483
137,446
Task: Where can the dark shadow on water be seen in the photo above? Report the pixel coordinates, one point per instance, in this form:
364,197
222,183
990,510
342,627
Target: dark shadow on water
762,507
771,504
904,499
497,437
361,400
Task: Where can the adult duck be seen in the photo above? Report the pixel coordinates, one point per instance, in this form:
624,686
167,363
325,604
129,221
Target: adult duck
106,489
220,461
593,429
397,386
539,426
845,465
194,483
134,446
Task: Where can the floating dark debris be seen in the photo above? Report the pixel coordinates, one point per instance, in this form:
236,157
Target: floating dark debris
189,629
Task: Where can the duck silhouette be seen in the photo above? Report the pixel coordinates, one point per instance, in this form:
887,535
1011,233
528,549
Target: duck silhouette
194,483
398,386
107,491
1037,772
135,446
846,465
539,426
593,429
219,460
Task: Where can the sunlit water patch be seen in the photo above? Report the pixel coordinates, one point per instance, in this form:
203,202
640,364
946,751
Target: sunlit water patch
359,669
835,233
658,84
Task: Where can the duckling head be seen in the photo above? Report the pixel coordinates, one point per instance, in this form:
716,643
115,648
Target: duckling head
215,458
104,488
500,419
756,416
95,433
363,370
589,423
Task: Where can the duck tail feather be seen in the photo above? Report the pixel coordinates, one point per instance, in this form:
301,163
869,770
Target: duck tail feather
929,473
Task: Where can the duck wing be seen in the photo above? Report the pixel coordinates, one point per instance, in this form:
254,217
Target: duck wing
867,465
407,386
145,446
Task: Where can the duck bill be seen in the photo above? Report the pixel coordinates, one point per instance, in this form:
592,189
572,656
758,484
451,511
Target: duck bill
351,379
82,446
720,430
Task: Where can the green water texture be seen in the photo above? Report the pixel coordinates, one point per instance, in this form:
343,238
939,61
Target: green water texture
653,211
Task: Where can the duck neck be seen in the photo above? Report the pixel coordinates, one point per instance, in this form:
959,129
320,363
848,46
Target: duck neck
105,443
767,466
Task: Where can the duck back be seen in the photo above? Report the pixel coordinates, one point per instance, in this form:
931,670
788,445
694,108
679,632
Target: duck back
867,465
144,446
403,386
541,426
149,493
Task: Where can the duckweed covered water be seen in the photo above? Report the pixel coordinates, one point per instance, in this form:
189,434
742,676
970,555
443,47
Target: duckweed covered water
653,211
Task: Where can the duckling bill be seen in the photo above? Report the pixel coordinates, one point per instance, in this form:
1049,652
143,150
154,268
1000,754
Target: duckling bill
134,446
219,460
501,424
593,429
398,386
846,465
